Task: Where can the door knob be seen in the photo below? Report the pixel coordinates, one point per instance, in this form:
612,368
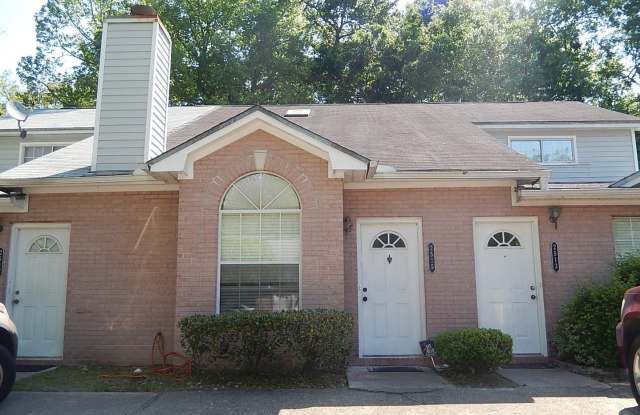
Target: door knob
533,296
15,301
364,299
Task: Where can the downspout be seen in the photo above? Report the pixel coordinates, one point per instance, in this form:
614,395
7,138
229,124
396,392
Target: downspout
371,169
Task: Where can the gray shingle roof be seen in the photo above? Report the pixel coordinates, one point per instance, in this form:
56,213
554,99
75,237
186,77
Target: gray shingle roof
71,161
410,137
62,119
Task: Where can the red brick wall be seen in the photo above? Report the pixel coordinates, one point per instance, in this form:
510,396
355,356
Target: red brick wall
584,238
122,268
200,197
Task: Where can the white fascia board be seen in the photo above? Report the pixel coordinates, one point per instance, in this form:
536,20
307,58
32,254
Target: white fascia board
128,183
576,197
60,131
10,206
427,183
182,161
467,174
408,180
571,125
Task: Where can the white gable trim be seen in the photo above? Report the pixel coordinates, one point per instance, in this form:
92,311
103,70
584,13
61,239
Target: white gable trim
182,161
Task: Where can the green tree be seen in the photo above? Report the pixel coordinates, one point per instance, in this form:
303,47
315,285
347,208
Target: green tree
67,30
237,52
344,33
8,90
610,29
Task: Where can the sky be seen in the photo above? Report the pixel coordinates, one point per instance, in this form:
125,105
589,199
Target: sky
17,31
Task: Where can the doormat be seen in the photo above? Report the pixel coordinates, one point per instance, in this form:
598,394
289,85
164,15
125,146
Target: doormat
541,365
32,368
395,369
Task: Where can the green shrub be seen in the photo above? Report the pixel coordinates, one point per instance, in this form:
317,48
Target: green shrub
627,269
585,332
322,339
256,341
474,350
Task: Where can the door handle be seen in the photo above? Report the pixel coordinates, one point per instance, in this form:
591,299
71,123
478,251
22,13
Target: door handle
533,296
364,299
15,301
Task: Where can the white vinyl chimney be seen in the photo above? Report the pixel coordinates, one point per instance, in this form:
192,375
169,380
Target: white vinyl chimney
133,91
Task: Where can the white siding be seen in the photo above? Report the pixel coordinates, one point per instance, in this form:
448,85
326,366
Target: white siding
133,94
10,145
604,155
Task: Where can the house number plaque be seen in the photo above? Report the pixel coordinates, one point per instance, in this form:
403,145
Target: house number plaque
432,257
555,257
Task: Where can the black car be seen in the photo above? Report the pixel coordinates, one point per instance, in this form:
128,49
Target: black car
8,352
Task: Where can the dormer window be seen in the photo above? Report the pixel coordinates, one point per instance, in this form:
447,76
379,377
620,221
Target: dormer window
546,150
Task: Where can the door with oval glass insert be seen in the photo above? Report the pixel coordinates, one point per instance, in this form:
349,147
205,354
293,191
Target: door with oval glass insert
37,293
390,316
508,287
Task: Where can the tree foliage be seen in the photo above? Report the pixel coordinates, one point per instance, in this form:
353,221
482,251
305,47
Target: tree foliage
296,51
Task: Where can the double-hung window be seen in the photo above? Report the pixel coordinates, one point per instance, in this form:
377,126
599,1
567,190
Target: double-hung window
626,235
546,150
260,245
34,151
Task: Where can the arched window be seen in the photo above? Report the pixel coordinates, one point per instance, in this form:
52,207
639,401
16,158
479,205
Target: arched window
388,240
503,239
45,244
260,245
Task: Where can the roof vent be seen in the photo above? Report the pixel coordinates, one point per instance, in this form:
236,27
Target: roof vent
299,112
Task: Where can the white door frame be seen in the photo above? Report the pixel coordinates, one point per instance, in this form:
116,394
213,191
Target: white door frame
13,257
537,267
382,221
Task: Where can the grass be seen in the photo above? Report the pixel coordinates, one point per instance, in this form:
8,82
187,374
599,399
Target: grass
485,380
119,379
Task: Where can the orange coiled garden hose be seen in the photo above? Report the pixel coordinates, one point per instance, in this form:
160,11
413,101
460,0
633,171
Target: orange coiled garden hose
172,362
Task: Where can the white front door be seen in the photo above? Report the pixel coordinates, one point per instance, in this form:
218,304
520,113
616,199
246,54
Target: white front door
391,317
37,294
508,284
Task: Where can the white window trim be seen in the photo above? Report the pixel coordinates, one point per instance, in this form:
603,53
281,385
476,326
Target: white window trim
220,213
548,137
634,146
39,144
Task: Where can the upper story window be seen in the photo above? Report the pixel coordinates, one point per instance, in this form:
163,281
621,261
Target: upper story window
546,150
34,151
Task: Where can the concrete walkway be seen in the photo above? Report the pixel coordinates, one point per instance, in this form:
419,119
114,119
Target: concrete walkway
448,401
545,392
360,378
550,378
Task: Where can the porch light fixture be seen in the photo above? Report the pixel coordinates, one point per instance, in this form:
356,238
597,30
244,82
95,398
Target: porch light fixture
554,214
347,225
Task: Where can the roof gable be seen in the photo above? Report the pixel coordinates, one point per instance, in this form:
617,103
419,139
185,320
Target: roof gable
180,159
